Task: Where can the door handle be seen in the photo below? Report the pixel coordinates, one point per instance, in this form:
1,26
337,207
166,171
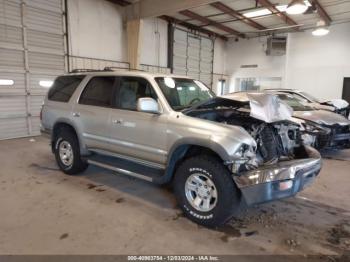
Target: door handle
76,114
117,121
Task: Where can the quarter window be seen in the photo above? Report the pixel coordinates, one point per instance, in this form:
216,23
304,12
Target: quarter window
98,92
64,87
131,89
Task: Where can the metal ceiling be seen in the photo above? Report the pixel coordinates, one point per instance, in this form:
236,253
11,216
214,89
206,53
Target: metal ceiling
226,18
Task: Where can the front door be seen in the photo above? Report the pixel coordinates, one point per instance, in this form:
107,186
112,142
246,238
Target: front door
91,114
137,134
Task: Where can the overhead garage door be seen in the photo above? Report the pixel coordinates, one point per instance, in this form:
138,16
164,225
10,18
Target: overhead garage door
31,56
193,56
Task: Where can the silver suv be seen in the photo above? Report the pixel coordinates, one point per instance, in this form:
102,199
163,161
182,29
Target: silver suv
216,153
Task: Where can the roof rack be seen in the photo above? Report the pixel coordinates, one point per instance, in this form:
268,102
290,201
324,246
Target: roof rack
88,70
112,68
106,69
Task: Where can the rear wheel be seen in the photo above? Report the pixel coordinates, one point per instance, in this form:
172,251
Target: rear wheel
205,191
67,153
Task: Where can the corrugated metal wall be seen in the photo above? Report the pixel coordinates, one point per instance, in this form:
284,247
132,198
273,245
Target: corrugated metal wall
193,55
32,53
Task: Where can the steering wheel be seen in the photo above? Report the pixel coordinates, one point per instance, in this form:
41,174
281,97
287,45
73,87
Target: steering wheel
194,100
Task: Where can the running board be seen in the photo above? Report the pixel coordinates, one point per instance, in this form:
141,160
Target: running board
119,170
126,167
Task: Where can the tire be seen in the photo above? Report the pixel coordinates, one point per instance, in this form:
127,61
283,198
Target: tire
221,208
74,164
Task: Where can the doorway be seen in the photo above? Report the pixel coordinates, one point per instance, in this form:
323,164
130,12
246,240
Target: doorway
346,89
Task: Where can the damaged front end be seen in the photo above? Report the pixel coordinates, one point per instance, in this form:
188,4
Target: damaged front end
324,130
280,165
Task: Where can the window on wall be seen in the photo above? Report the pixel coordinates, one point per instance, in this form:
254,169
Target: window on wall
221,87
248,84
98,92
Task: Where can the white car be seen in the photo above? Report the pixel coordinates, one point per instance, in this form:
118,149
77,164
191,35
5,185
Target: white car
339,106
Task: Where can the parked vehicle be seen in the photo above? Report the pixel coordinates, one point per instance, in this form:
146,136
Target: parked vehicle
339,106
164,129
320,128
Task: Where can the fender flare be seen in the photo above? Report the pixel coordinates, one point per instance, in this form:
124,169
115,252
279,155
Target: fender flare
179,149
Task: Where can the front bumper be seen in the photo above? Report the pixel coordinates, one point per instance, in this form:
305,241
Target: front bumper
281,180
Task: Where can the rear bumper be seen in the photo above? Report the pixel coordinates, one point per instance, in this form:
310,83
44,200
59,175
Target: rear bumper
282,180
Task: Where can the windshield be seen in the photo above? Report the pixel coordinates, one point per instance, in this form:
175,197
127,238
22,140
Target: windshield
310,97
294,103
182,93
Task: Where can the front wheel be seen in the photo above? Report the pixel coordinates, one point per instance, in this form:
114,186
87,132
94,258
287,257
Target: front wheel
205,191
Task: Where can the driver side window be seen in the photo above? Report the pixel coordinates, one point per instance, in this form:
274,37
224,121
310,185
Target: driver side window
131,89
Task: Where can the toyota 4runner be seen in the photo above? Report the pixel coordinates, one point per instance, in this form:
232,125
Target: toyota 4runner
161,128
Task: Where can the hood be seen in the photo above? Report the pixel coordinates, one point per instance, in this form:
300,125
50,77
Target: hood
322,106
266,107
269,108
322,117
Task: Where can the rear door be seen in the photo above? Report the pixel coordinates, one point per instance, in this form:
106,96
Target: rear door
92,112
137,134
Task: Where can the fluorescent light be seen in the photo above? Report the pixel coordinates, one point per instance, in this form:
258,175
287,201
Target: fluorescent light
282,8
265,11
256,13
192,88
296,7
6,82
46,83
321,31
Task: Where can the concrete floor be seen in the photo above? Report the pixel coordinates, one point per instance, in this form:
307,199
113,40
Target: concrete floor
43,211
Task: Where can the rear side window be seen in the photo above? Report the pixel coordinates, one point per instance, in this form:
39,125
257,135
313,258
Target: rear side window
64,87
98,92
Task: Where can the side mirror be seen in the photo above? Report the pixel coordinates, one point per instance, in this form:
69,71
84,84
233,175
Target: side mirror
148,105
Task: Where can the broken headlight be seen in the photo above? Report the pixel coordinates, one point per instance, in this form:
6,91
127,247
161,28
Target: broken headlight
245,152
245,159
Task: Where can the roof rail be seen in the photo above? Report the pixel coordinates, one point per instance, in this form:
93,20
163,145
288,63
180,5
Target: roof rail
88,70
112,68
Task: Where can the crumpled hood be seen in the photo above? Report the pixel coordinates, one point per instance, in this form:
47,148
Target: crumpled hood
263,106
322,117
269,108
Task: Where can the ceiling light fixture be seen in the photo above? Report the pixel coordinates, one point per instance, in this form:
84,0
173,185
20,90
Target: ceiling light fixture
296,7
320,29
256,13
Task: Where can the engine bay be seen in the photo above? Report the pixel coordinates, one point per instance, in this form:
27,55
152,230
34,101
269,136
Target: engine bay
276,141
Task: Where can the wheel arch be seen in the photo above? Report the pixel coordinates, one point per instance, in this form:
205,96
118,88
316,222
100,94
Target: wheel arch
64,123
186,149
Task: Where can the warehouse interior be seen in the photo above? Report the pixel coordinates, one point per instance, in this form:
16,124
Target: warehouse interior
228,45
